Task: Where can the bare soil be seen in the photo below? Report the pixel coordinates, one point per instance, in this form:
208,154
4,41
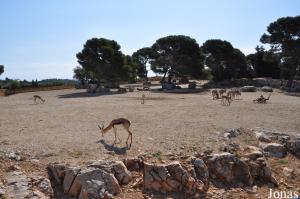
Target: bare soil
64,128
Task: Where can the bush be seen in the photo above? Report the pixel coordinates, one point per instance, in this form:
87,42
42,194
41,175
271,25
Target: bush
13,85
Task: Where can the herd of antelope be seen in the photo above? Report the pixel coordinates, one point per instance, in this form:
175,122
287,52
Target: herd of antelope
226,96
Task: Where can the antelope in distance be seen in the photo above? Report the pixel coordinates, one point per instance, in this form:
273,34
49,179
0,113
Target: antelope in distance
38,98
120,121
215,94
262,99
226,100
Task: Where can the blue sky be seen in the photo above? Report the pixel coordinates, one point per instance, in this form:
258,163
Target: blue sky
39,39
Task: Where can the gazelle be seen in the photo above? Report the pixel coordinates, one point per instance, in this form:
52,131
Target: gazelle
215,94
143,99
226,100
37,97
222,91
120,121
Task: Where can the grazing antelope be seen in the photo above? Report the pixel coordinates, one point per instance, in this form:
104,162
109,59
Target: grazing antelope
237,93
226,100
222,91
143,99
37,97
120,121
215,94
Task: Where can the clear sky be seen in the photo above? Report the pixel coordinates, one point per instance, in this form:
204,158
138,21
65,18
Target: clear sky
40,39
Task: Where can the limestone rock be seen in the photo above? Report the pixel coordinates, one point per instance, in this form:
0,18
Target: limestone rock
288,172
274,150
293,146
262,137
133,164
57,172
115,167
201,171
92,183
171,178
248,89
231,133
18,185
227,168
70,175
267,89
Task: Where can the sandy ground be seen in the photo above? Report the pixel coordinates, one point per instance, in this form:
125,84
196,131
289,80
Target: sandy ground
65,127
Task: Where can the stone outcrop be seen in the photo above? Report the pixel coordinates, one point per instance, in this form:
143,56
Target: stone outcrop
293,146
229,169
201,171
258,167
22,186
274,150
99,179
172,177
248,89
117,168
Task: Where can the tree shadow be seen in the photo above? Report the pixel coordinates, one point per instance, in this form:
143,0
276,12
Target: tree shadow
117,150
86,94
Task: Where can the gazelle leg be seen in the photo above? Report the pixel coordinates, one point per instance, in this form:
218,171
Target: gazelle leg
115,131
129,136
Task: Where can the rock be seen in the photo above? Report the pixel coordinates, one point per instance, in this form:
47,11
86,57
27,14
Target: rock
252,152
267,89
70,175
44,185
258,167
2,191
92,183
99,179
18,185
274,150
201,171
293,146
172,177
117,168
192,85
288,172
248,89
14,156
57,172
279,137
133,164
228,169
231,133
251,190
262,137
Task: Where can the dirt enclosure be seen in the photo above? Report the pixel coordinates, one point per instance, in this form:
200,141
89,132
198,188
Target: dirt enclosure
64,128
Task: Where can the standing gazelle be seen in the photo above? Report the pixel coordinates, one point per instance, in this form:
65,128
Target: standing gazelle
120,121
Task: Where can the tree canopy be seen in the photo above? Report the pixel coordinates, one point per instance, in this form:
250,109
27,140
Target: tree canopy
284,37
176,55
104,59
141,58
224,60
1,69
82,75
264,63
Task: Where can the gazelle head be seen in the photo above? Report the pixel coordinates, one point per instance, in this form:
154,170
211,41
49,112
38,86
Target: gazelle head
101,129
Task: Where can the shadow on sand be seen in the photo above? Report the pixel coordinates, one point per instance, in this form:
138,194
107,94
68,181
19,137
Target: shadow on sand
86,94
117,150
